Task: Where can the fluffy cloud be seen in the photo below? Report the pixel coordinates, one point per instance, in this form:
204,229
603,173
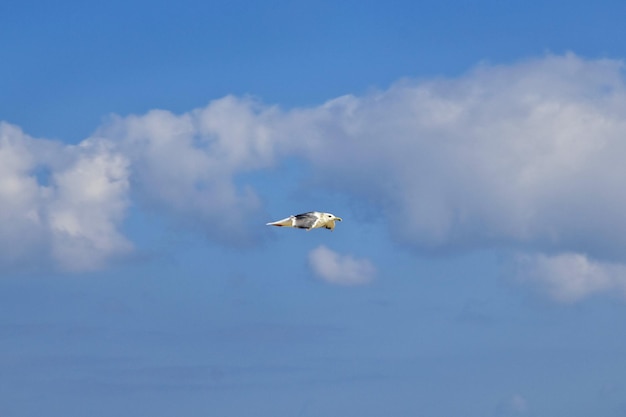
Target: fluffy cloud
527,157
60,204
65,205
529,154
186,165
88,201
340,269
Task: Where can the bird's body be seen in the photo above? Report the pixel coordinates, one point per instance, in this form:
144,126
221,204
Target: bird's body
308,221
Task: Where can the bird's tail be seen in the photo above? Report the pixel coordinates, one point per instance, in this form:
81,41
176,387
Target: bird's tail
283,222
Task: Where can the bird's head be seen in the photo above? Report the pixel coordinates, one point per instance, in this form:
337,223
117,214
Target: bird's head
329,220
330,216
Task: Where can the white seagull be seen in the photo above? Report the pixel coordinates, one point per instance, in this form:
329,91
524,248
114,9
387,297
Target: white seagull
308,221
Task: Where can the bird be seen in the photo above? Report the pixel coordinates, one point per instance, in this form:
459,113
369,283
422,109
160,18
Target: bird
308,221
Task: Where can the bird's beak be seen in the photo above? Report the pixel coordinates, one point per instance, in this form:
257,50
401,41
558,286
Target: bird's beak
338,219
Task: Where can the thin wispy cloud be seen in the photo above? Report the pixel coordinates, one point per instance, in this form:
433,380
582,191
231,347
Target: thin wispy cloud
570,277
517,405
524,157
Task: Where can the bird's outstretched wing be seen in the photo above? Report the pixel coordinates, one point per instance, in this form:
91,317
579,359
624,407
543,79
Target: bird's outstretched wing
306,220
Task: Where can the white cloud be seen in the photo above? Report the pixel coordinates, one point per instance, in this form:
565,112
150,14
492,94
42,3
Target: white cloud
185,165
88,201
527,156
570,277
60,204
21,197
339,269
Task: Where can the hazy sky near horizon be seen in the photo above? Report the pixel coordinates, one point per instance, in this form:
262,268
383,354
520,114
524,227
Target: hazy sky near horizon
476,155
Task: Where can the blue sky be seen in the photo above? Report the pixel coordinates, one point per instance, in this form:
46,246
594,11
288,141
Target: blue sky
474,151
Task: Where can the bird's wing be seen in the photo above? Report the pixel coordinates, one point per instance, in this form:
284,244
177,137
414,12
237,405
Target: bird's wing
283,222
306,220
